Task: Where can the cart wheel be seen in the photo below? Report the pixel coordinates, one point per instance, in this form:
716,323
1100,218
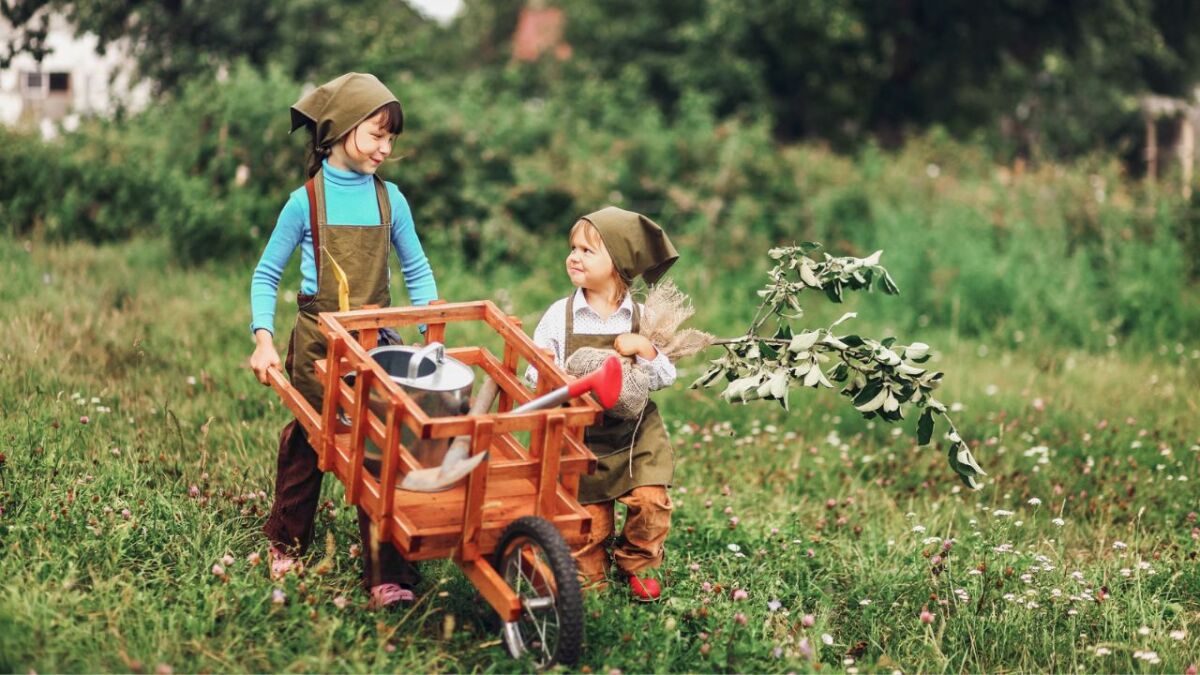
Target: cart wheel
534,560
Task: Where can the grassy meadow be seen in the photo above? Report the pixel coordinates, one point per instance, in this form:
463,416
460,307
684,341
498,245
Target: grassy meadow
137,452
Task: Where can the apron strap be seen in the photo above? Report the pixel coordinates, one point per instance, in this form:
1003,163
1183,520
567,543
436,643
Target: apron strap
385,204
569,330
570,321
314,218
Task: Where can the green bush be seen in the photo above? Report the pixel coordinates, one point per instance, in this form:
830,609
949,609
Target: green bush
1072,253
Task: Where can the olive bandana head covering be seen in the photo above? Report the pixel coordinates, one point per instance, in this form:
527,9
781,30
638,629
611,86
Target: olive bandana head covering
339,105
638,246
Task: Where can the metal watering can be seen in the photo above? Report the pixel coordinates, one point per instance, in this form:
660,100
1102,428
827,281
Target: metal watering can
439,384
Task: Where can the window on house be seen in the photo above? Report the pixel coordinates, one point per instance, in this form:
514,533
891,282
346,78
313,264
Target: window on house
33,81
60,82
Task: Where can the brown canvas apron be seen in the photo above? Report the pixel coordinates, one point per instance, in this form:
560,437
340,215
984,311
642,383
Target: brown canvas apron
623,462
362,253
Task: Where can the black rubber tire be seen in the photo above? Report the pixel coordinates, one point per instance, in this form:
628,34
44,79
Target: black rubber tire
568,601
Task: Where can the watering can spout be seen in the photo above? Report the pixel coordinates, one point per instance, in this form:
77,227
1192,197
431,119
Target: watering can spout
604,382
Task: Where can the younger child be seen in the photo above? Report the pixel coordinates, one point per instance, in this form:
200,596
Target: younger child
609,249
348,216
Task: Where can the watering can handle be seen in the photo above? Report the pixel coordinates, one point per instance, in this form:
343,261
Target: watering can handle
436,349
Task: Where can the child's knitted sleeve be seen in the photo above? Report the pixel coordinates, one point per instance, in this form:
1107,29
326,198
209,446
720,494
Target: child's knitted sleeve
418,275
264,283
660,369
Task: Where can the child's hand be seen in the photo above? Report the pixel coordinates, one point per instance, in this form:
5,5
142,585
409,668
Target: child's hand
264,356
632,344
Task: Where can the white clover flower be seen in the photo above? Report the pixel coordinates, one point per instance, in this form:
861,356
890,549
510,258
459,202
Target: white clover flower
1002,513
1120,545
1059,522
1034,501
1178,634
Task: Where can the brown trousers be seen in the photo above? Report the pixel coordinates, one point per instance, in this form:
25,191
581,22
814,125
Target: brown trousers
647,522
297,493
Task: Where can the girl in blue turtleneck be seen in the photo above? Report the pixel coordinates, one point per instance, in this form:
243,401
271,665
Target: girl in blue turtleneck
346,215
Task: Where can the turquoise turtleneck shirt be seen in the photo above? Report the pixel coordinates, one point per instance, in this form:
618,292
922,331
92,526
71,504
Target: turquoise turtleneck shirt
349,200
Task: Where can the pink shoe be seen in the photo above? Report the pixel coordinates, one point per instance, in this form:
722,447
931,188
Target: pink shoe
281,563
390,595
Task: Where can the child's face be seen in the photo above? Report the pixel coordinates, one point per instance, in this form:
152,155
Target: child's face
589,265
368,144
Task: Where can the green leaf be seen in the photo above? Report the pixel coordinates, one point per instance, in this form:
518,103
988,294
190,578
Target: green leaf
852,340
965,458
925,427
803,341
834,291
889,284
840,372
916,350
768,350
845,317
784,332
964,465
869,392
708,377
809,277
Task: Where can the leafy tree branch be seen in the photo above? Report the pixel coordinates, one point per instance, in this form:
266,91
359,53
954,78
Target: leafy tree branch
880,377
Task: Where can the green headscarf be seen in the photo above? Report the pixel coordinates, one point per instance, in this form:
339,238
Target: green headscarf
339,105
638,246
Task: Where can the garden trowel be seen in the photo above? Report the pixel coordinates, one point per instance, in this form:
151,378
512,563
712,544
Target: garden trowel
457,463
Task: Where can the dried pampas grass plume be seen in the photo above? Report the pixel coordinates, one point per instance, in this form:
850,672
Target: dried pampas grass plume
665,309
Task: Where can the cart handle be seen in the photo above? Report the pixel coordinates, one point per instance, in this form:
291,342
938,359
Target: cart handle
293,399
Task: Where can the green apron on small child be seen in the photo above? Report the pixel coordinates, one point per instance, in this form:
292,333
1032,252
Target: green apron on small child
635,460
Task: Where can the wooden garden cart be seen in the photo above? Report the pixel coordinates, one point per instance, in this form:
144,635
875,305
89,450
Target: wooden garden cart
509,524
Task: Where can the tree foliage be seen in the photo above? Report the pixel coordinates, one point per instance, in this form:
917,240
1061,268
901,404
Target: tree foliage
836,69
1058,77
174,41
